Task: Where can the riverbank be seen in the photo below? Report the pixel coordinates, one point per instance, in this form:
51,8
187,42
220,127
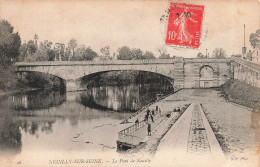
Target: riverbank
9,92
242,93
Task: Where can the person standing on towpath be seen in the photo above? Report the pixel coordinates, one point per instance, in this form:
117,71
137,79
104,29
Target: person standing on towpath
149,128
149,121
147,111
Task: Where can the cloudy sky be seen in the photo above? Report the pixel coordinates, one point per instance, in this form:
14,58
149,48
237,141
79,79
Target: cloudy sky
132,23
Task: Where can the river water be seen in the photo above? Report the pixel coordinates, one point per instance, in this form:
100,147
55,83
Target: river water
56,121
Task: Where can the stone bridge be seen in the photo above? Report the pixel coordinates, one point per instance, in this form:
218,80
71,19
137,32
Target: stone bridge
181,72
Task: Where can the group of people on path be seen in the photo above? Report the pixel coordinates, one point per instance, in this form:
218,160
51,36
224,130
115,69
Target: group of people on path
149,118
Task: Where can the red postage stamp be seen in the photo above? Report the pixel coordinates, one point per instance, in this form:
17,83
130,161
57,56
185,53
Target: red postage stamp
184,25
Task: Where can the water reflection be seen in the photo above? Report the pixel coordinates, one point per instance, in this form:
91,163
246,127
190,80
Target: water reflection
29,119
32,127
10,134
39,99
125,98
122,98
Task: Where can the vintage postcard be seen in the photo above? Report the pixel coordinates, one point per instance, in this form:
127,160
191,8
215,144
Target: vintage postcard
145,83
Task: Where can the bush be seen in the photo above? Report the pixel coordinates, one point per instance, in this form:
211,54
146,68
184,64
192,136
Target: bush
8,79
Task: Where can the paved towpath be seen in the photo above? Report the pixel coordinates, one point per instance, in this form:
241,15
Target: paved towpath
191,138
143,131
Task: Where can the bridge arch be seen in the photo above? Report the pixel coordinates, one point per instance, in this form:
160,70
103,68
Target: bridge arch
206,74
170,80
23,74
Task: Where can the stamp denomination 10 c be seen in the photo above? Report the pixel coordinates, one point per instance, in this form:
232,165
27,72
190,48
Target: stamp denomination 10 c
184,25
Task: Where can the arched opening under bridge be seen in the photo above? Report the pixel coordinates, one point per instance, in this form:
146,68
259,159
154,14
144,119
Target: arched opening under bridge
206,76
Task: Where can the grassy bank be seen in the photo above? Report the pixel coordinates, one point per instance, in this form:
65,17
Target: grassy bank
16,90
242,93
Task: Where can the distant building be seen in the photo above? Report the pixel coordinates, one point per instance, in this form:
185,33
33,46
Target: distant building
249,56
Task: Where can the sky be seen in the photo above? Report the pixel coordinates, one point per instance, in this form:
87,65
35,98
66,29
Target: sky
133,23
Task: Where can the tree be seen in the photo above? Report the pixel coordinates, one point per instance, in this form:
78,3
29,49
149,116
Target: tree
59,49
254,39
137,53
200,55
31,47
66,55
165,56
51,54
23,51
7,77
161,51
27,50
36,37
105,52
88,54
72,45
43,53
125,53
219,53
84,53
9,44
78,53
9,53
148,55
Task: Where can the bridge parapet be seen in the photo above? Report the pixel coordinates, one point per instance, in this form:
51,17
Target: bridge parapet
100,62
246,71
200,60
248,64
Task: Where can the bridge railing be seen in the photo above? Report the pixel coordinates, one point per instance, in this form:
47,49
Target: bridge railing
125,135
100,62
134,127
252,65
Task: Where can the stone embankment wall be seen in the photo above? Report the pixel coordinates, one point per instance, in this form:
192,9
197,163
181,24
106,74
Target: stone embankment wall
242,93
